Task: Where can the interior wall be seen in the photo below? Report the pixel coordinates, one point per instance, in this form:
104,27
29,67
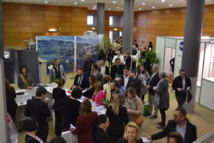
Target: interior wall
25,21
168,22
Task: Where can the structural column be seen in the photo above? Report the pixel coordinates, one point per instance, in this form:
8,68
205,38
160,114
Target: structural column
100,18
192,39
3,114
128,16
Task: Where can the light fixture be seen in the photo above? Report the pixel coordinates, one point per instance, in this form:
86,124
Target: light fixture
121,8
82,0
205,37
162,0
140,8
94,7
109,8
153,7
170,5
115,29
93,28
114,1
143,3
75,3
46,1
118,7
52,30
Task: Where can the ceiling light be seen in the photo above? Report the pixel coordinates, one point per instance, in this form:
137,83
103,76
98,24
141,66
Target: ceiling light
162,0
46,1
109,9
153,7
93,28
94,8
170,5
118,7
140,8
114,1
143,3
52,30
75,3
82,0
121,8
115,29
205,37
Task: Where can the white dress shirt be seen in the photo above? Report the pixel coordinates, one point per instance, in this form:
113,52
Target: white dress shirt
103,70
126,79
120,57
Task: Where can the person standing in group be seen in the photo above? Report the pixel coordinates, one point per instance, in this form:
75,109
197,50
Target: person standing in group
144,77
127,60
81,80
104,70
118,118
58,95
181,84
152,83
57,71
100,125
101,55
84,123
120,57
110,54
147,65
89,61
71,109
38,108
161,98
94,71
131,134
133,104
25,79
117,69
115,89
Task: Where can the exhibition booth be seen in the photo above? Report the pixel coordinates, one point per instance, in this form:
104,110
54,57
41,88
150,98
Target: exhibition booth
168,48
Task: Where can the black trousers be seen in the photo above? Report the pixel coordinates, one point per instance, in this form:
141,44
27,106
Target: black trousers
142,98
180,99
163,116
115,137
58,122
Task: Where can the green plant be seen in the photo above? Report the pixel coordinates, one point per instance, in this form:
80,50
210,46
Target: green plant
153,57
105,102
104,44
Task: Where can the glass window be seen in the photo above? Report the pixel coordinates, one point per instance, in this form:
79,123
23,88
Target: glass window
90,20
110,20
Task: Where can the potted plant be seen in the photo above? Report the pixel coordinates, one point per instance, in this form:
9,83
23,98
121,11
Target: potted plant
105,102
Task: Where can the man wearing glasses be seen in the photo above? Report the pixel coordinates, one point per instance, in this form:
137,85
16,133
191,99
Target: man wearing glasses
181,84
181,125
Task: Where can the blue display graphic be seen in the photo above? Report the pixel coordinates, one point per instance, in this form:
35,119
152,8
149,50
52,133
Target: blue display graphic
56,47
181,46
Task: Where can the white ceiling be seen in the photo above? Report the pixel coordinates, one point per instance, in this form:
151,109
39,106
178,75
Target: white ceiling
118,6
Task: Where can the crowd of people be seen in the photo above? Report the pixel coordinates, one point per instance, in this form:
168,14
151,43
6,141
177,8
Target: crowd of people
128,86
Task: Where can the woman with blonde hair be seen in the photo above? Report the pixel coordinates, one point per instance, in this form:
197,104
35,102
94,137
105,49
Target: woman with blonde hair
90,91
98,93
133,104
131,134
118,118
85,122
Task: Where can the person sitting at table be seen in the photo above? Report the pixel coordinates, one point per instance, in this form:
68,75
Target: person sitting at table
81,80
58,95
133,104
131,134
99,134
10,99
90,91
98,93
38,108
25,79
71,109
31,127
118,118
85,122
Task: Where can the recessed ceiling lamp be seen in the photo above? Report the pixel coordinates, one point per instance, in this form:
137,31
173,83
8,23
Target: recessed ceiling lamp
46,1
114,1
143,3
170,5
52,30
140,8
162,0
118,7
75,3
121,8
82,0
153,7
109,9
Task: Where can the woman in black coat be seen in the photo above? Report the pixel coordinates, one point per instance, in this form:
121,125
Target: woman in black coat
100,124
11,103
118,118
127,60
102,55
58,95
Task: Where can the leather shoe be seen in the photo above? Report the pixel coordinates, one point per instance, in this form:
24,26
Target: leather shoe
148,114
159,123
153,117
160,127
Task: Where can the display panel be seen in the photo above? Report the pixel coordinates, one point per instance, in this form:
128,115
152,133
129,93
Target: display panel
169,55
208,71
200,66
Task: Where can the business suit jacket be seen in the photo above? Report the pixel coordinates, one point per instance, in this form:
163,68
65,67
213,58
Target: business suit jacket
85,82
118,70
136,84
190,135
153,82
177,83
52,76
58,95
87,66
106,70
122,81
99,76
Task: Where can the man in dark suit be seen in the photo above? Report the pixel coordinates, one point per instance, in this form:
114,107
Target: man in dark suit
116,69
95,72
134,82
81,80
181,125
125,77
181,84
104,70
38,108
152,83
88,63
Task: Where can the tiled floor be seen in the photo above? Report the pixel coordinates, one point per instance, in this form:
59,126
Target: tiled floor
202,117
